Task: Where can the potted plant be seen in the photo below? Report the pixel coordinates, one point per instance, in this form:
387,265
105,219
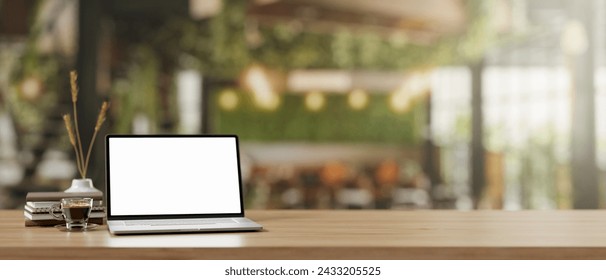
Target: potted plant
82,184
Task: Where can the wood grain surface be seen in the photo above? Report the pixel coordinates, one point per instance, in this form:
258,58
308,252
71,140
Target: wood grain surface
332,234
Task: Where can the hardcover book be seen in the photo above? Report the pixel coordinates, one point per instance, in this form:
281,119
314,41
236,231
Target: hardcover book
48,204
34,223
44,210
56,196
46,216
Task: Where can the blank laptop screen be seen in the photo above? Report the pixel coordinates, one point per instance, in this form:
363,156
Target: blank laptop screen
173,175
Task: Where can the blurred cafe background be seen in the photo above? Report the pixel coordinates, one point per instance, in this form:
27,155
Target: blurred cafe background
339,104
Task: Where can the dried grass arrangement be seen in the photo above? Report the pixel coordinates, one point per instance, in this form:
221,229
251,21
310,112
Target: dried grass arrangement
73,132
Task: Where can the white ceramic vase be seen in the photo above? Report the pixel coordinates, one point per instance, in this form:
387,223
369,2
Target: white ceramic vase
82,185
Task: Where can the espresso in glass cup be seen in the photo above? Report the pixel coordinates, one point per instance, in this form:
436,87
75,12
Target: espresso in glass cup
75,212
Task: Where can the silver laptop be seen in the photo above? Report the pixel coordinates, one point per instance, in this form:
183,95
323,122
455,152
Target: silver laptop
174,183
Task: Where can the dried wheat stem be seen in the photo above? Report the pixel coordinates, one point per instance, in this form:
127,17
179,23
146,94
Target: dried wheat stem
74,89
101,116
72,140
100,120
73,78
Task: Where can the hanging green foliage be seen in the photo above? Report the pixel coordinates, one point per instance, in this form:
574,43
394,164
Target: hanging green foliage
222,46
284,46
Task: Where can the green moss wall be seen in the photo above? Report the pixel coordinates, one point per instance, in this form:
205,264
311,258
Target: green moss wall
336,122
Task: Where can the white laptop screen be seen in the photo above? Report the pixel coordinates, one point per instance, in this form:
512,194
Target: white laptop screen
173,175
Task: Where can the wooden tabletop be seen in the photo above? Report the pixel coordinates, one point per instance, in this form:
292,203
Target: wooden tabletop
343,234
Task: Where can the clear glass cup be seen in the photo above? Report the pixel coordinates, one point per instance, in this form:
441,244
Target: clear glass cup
74,211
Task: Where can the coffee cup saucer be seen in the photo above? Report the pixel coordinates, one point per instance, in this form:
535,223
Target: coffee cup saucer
89,227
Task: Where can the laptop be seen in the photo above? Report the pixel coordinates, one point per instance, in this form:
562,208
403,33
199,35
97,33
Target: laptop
174,184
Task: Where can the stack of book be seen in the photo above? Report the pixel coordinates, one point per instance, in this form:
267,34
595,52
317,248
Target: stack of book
38,204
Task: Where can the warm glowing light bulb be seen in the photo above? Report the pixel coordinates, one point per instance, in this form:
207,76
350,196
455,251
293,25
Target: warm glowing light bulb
315,100
399,102
228,100
358,99
272,103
